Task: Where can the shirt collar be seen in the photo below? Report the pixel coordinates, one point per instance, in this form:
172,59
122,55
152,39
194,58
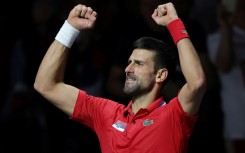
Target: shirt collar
157,103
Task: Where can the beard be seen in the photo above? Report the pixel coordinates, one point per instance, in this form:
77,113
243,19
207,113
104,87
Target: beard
133,86
131,89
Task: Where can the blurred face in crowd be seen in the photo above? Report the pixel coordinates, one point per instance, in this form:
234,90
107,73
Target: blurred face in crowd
140,72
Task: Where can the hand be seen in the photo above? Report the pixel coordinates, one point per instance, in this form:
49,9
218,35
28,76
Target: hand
164,14
82,17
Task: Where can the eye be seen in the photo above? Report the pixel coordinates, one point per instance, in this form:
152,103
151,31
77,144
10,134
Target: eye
140,63
129,61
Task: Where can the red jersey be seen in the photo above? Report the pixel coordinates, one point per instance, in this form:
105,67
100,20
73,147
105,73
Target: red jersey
159,128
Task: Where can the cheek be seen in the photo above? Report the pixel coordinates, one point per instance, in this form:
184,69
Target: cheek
147,79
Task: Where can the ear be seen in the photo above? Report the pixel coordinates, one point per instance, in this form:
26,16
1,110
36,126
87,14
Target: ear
161,75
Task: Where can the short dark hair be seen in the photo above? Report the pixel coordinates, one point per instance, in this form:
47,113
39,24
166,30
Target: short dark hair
165,56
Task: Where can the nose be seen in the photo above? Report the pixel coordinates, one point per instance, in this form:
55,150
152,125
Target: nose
129,68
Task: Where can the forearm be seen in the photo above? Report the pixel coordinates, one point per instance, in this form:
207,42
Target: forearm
52,68
192,92
189,59
49,80
190,64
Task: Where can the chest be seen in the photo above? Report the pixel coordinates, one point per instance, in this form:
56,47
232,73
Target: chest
147,131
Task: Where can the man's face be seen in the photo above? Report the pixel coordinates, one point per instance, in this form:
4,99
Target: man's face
140,74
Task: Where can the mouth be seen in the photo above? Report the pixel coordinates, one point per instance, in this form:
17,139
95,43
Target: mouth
130,78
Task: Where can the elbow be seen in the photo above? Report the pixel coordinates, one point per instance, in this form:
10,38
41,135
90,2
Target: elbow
40,87
201,84
198,86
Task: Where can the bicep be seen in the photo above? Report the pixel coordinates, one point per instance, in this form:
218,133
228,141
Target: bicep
63,96
190,100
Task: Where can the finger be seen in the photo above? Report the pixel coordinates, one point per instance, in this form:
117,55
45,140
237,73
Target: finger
154,14
93,15
83,11
161,10
170,8
77,10
89,12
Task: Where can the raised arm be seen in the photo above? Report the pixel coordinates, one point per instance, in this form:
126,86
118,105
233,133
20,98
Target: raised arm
50,76
190,96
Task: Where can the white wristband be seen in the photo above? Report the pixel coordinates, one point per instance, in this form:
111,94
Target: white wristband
67,34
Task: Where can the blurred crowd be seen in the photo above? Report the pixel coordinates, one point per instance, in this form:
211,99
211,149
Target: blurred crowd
96,63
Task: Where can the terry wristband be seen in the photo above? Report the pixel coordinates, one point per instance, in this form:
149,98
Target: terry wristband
67,34
177,30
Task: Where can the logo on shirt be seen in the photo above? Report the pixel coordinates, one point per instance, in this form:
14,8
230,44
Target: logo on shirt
147,122
120,126
184,31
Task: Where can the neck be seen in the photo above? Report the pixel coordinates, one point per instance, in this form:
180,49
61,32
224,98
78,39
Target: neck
144,100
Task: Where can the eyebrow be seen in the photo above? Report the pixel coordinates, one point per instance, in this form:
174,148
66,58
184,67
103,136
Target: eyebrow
136,61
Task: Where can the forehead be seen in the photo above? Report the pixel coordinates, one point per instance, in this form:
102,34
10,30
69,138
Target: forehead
142,54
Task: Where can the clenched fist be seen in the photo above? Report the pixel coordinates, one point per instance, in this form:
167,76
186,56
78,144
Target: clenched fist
82,17
164,14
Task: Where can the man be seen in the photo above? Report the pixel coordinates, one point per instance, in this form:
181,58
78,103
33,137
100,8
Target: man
147,124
